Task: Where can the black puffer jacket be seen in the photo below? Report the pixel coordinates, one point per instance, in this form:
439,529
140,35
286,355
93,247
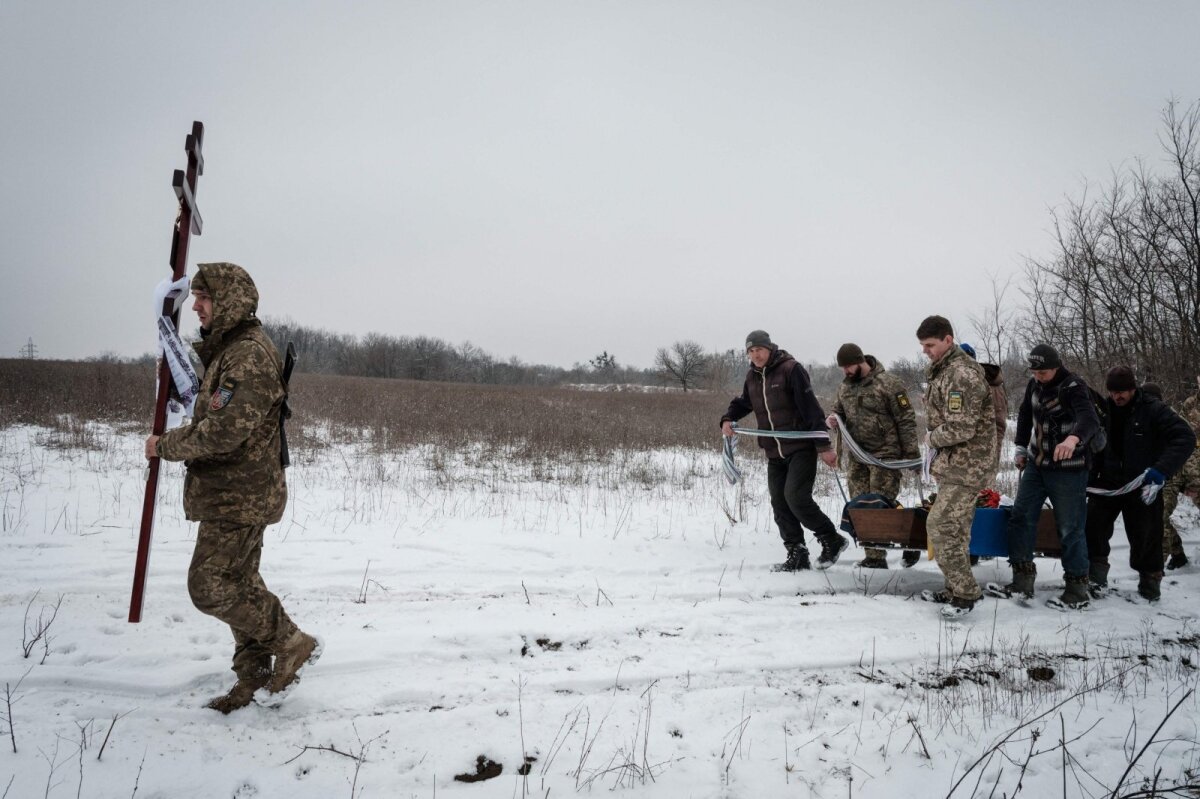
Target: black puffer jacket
1144,434
781,396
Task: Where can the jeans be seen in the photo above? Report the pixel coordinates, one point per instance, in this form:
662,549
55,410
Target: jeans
790,481
1067,491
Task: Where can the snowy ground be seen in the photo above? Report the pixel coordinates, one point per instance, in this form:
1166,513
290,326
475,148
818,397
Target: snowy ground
605,620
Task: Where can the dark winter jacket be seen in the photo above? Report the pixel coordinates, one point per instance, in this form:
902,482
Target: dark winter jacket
781,396
232,446
1144,434
1052,411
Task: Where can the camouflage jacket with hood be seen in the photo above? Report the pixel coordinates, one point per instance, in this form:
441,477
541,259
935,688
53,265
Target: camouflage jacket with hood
231,448
961,418
878,413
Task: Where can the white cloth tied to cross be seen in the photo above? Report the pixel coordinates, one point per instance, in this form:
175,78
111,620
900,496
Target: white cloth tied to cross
172,349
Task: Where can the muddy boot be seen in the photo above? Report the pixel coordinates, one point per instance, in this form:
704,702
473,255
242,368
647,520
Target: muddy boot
1098,578
1150,586
875,559
1021,586
1178,561
290,660
797,560
242,692
957,608
1075,597
910,558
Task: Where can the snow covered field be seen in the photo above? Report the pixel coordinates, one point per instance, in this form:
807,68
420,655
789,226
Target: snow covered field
600,626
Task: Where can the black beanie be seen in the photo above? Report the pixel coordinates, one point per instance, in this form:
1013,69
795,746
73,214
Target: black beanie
1120,378
1043,356
849,355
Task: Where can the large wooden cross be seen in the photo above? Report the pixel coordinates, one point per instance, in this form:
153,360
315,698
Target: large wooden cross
187,222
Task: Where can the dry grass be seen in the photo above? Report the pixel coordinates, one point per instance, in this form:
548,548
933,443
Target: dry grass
523,421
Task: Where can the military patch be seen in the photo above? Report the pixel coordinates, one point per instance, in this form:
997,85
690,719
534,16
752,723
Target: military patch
954,401
222,395
902,399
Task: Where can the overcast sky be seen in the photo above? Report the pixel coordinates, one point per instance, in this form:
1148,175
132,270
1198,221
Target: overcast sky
553,179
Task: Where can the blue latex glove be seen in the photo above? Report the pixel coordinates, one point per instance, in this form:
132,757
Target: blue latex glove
1155,477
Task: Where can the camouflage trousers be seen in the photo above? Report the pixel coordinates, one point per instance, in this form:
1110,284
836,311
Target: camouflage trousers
224,582
1172,543
949,528
864,479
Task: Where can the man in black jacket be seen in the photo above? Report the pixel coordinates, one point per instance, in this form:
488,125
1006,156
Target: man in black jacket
1145,437
1055,426
778,390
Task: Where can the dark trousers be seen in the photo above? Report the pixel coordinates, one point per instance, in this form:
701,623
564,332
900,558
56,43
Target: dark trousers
790,481
1067,491
1143,527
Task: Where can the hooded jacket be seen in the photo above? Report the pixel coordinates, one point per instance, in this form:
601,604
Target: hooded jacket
781,396
232,446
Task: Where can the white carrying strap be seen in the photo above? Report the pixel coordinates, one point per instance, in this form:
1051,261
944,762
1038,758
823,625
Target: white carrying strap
732,474
1149,490
862,456
174,351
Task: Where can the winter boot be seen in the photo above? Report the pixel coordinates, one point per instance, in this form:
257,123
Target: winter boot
1177,561
910,558
875,559
1021,586
1075,597
242,692
957,608
797,560
1149,586
832,549
1098,578
299,650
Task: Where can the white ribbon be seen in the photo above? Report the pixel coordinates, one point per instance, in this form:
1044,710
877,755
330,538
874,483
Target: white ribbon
862,456
1149,490
173,350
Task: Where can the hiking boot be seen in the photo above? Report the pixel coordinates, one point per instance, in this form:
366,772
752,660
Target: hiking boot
1098,578
290,660
1075,597
797,560
1021,587
832,549
942,597
1177,561
957,608
1150,586
910,558
873,562
241,694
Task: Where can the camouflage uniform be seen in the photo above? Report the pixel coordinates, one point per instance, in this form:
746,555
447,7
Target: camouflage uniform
961,420
1188,479
235,484
880,417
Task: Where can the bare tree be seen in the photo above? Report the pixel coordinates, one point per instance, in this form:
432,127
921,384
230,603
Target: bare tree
684,363
1123,286
995,324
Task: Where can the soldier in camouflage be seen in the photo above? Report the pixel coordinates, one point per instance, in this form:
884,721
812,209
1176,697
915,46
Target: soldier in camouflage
1173,551
960,418
235,485
880,417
